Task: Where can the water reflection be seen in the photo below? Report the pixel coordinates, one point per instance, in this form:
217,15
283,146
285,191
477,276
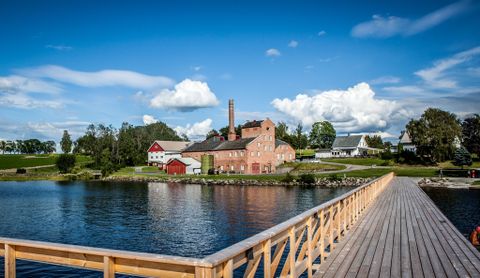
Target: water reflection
176,219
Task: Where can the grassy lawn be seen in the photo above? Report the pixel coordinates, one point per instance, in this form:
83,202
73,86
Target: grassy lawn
399,171
306,167
150,169
357,161
477,183
12,161
304,152
448,164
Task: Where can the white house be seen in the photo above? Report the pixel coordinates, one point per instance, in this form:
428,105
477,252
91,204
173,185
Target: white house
160,152
352,145
184,165
406,142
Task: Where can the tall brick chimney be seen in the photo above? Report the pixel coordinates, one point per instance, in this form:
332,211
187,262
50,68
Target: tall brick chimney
232,135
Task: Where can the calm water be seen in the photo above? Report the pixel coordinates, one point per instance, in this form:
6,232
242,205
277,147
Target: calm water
460,206
186,220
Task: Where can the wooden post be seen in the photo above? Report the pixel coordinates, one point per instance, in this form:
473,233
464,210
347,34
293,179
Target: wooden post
292,251
267,259
203,272
228,269
108,267
309,247
339,220
330,228
322,236
10,263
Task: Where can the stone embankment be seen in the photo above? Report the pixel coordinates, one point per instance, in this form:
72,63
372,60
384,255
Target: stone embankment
454,183
322,182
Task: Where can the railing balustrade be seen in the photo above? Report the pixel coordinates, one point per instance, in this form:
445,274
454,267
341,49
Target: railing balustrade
296,246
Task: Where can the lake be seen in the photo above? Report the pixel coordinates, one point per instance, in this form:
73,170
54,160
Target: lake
167,218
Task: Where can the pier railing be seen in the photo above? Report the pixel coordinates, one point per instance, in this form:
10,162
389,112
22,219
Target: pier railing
296,246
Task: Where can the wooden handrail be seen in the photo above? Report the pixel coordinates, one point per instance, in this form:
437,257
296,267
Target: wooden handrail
301,240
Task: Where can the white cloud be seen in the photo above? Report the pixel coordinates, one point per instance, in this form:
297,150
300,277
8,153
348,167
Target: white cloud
59,47
410,89
16,84
385,80
187,95
293,44
24,101
321,33
342,109
197,68
384,27
149,119
101,78
435,76
272,52
195,131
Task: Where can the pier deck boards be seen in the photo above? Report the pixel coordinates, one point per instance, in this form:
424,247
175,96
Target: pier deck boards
402,234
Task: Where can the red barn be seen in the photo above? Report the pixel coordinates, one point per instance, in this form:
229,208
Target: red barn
184,165
176,167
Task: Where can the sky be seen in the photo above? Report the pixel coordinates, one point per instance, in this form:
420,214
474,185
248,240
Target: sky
367,67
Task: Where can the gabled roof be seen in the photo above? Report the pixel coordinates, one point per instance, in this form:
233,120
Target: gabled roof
214,144
279,142
351,141
185,160
253,124
405,138
172,145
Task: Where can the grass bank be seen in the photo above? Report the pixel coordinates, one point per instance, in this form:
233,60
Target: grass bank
367,161
14,161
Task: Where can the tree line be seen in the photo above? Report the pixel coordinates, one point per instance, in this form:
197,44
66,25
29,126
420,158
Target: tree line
112,148
438,135
30,146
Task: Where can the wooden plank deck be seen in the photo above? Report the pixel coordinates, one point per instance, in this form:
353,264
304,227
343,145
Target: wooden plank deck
402,234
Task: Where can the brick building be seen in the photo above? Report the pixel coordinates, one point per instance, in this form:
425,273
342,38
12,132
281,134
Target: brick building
256,151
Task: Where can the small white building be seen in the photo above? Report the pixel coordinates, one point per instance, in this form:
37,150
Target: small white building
160,152
352,145
183,165
323,153
406,142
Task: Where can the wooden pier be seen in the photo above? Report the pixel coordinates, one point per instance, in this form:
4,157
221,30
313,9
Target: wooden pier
403,234
386,228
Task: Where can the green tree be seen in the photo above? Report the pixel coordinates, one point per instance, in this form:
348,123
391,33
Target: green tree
66,142
281,133
224,131
374,141
3,146
65,162
300,140
212,133
471,134
322,135
462,157
434,134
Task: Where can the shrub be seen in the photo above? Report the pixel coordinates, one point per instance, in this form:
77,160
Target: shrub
288,178
307,179
21,171
65,162
386,155
333,177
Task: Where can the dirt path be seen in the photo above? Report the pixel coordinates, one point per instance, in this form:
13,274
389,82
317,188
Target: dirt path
14,170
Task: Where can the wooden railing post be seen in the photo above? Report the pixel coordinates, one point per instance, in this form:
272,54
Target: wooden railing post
322,236
330,228
267,259
10,261
292,252
309,247
108,267
203,272
228,269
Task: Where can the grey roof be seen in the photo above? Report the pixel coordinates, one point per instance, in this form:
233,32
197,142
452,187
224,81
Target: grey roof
405,138
351,141
279,142
252,124
214,144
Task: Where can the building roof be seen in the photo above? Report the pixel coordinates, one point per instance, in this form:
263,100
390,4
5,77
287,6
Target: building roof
185,160
172,145
279,142
215,144
351,141
253,123
405,138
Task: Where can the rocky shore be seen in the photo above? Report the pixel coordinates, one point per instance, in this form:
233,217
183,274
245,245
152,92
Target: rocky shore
453,183
322,182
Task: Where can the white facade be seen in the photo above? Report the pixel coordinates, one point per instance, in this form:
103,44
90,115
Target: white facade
406,142
160,152
193,166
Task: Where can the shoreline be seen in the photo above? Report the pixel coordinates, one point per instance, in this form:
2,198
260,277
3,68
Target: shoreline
449,183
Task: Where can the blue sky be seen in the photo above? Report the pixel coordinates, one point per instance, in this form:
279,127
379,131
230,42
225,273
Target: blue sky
366,67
